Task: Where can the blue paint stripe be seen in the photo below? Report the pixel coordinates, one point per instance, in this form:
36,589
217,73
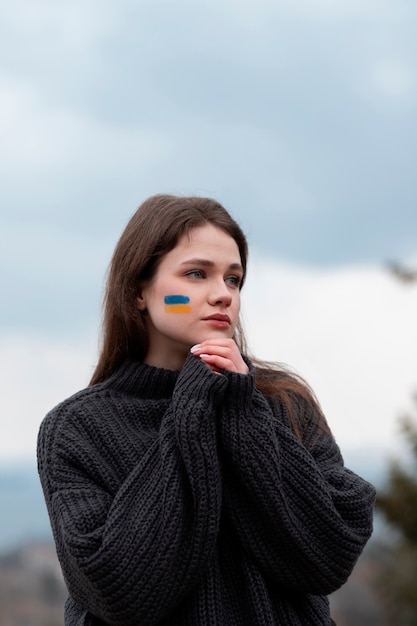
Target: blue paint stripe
176,299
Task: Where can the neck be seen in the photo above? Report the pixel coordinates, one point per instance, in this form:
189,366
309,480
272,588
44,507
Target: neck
166,360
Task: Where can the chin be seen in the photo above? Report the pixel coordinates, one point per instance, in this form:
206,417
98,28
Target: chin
219,334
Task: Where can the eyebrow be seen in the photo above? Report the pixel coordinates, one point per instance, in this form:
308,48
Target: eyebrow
207,263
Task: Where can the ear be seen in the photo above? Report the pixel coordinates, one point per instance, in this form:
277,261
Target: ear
140,301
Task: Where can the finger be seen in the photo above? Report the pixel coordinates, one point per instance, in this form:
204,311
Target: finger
210,366
218,341
228,351
222,363
224,357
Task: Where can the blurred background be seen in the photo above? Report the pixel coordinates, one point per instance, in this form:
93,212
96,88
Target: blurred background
300,117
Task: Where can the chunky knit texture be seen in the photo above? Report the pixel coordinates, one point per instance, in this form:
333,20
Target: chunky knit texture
184,498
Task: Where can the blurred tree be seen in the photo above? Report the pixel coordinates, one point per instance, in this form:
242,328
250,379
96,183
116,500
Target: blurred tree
397,574
405,274
397,577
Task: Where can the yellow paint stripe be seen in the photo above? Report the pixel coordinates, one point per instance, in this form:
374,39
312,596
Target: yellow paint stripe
177,308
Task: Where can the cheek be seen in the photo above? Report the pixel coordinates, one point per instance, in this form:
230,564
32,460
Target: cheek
177,304
237,302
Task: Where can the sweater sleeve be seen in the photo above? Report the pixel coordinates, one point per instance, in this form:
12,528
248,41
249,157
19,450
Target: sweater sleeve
129,556
301,515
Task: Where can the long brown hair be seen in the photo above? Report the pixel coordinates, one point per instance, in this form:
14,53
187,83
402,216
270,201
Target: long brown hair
151,233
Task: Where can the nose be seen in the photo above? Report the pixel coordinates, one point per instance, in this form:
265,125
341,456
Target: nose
220,294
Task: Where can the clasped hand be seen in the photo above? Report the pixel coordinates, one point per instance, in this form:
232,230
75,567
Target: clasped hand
220,354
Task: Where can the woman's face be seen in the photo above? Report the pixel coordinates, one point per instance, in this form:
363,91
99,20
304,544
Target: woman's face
195,295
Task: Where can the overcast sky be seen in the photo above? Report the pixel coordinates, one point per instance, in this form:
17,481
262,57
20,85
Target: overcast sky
298,115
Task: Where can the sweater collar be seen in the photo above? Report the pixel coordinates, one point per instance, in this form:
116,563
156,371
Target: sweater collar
143,380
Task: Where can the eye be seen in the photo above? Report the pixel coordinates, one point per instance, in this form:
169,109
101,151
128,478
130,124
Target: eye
196,274
235,281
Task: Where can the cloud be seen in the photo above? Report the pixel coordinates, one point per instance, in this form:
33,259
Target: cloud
37,373
349,331
392,78
103,104
75,26
51,279
316,9
40,137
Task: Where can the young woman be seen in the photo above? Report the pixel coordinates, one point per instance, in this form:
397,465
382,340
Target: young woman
187,485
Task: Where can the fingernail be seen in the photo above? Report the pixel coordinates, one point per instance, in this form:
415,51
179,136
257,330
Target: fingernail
195,348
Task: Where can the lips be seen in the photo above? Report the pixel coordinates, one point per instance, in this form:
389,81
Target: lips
218,317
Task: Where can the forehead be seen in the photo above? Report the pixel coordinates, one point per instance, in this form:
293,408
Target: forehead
208,241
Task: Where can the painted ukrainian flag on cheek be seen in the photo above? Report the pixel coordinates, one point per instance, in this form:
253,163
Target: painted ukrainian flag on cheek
177,304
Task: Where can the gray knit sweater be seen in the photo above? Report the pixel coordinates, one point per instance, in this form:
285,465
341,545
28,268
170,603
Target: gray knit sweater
184,498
